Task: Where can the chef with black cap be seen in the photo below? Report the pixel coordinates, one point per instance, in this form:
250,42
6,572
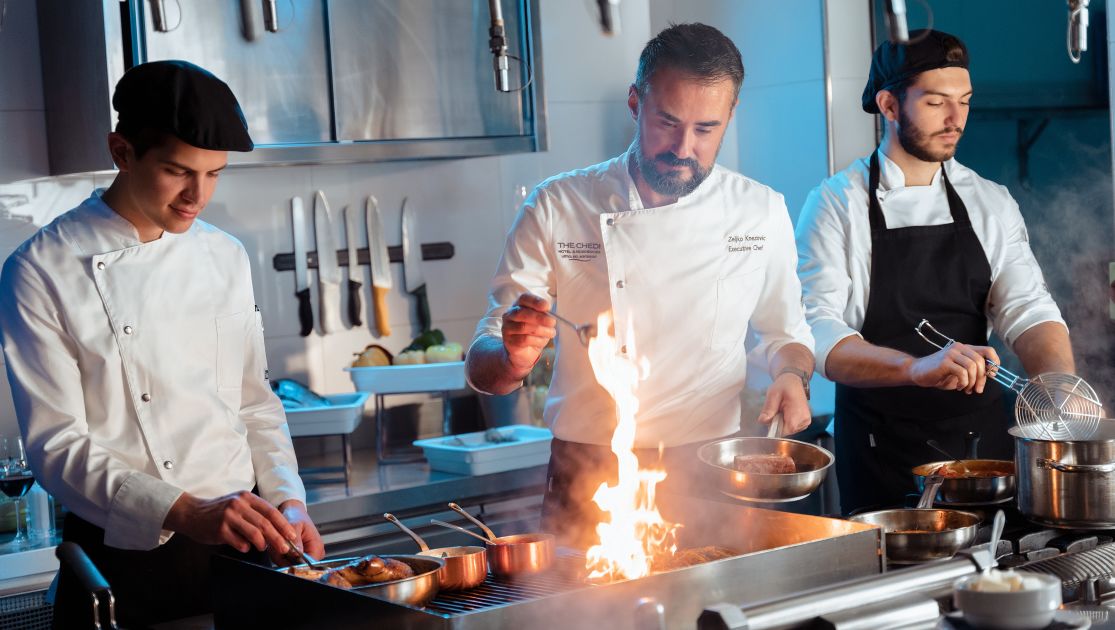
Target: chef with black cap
909,233
136,361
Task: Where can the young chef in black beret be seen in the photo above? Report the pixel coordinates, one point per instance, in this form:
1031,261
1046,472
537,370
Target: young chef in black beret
909,233
136,361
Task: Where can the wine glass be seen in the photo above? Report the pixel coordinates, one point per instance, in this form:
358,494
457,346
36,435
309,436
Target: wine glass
15,481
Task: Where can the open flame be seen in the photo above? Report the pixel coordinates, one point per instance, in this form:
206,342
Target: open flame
634,534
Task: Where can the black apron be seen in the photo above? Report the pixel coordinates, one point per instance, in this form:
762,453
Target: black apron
936,272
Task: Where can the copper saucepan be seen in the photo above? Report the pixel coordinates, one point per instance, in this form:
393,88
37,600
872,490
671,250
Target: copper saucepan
518,554
465,567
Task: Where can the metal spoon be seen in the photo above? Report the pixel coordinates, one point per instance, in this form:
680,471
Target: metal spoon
475,521
933,444
462,530
585,332
997,525
295,551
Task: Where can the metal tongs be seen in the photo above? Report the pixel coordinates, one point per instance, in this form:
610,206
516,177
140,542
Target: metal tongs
999,374
294,552
1036,405
585,332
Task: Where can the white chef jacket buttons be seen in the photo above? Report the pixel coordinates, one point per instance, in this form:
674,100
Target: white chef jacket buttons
145,397
101,265
619,284
168,464
128,330
611,222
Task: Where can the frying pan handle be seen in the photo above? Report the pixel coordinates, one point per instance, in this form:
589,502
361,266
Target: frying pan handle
971,445
1053,464
775,429
932,484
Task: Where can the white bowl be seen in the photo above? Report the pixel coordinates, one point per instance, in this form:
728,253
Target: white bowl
1031,609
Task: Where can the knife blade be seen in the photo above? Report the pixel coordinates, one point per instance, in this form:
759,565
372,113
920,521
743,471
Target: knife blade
412,267
355,273
301,268
328,273
380,263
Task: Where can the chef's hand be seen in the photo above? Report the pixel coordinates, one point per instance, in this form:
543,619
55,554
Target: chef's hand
957,366
241,520
527,329
306,538
787,395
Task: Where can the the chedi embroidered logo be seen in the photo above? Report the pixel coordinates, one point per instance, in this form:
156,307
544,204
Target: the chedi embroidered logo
739,243
578,251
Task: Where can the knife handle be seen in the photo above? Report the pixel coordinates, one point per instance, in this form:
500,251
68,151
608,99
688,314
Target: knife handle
330,294
355,306
305,312
379,304
423,304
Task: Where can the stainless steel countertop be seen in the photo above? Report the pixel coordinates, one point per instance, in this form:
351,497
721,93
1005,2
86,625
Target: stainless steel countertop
375,489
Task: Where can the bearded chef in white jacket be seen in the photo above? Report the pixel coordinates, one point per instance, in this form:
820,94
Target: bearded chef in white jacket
136,361
688,256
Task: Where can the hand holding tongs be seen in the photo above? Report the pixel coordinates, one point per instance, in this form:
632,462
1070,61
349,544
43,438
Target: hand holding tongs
997,373
585,332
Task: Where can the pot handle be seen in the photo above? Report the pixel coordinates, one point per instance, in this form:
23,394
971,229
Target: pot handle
1053,464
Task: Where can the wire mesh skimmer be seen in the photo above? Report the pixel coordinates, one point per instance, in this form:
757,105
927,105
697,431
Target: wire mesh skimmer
1052,406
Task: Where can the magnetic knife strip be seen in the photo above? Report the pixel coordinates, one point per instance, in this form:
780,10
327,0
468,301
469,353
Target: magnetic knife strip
430,251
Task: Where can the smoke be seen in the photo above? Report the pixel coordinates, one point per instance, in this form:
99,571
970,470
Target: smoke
1063,185
1070,221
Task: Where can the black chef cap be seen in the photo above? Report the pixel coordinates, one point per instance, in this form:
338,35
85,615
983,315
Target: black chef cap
894,63
183,100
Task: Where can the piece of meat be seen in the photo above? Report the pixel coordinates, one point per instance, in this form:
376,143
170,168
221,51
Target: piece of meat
371,566
367,570
693,556
773,464
333,577
394,570
306,573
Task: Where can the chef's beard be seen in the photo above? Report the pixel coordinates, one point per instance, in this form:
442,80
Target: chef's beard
670,183
916,142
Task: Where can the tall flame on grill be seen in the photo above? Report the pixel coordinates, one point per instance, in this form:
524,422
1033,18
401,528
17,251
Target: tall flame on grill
634,534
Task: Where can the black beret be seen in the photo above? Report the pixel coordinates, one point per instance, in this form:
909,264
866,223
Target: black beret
894,63
183,100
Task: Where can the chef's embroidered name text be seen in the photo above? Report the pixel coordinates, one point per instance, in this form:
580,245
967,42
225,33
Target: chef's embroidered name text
746,243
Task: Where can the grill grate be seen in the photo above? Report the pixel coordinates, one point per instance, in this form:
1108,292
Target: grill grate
1075,568
564,577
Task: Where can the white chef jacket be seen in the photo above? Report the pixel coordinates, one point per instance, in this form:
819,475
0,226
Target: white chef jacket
685,282
138,371
834,248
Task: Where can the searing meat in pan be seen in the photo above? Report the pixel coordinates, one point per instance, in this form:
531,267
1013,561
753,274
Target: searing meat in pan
764,464
370,569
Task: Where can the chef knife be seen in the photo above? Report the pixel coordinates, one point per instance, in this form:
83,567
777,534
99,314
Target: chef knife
301,269
328,273
380,263
412,267
355,273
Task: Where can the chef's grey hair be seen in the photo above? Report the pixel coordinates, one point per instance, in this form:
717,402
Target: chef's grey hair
696,49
